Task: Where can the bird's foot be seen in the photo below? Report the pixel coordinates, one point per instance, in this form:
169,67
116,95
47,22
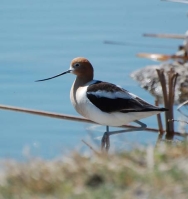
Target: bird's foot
105,142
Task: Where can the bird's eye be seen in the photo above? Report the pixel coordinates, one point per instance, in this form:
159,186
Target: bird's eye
76,65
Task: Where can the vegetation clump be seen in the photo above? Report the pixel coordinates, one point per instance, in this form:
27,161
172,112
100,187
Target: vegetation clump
153,173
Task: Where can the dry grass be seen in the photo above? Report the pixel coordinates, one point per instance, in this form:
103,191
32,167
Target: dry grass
152,173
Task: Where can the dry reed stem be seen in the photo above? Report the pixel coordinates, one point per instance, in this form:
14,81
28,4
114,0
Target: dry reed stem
172,83
163,85
89,145
168,99
159,121
170,102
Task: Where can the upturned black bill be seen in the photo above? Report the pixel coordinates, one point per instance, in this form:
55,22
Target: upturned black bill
54,76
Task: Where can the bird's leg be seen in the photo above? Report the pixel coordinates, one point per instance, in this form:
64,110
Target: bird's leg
105,142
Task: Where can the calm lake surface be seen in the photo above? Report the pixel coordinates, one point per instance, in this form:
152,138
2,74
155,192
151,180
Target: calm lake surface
38,39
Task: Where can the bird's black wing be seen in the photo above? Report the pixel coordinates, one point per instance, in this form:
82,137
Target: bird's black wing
111,98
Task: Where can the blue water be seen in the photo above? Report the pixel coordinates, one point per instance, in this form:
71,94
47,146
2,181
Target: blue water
38,39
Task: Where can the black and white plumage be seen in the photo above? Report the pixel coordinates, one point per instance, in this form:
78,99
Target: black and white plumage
105,103
110,105
110,98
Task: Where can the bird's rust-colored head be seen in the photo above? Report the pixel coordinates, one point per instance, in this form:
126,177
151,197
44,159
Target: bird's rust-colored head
79,66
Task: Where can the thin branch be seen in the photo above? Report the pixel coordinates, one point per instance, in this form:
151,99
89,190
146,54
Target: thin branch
172,120
177,1
67,117
180,106
96,152
164,35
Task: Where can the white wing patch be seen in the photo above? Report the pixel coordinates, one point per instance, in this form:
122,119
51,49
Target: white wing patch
111,95
133,95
